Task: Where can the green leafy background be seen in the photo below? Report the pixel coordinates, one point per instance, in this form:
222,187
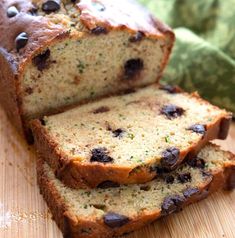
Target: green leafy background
203,57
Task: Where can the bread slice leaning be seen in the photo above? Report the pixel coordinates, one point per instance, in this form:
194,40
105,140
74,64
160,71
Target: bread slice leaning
127,139
113,211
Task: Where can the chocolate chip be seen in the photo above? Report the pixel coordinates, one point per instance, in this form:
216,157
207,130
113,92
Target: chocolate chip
137,37
129,91
198,128
145,187
12,11
99,206
172,204
99,30
196,162
114,220
101,109
172,111
51,6
21,40
184,178
189,192
100,155
108,184
170,89
170,157
118,132
169,179
132,67
43,122
159,170
41,60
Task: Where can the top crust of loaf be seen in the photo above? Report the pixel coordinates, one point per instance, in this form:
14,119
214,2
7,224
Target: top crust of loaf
43,30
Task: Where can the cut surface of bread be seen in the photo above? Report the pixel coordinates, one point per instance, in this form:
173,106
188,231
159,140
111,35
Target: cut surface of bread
108,212
128,138
59,53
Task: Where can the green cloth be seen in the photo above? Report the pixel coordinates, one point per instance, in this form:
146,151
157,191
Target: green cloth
203,57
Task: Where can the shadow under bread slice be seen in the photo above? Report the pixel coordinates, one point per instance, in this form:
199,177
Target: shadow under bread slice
115,211
127,139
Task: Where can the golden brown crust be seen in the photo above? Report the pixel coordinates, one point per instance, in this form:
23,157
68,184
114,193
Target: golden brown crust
90,175
72,226
122,14
42,32
8,96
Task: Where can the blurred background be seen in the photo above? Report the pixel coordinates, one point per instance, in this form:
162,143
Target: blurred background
203,57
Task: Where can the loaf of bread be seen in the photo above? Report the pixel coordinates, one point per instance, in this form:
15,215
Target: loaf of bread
111,212
128,138
55,53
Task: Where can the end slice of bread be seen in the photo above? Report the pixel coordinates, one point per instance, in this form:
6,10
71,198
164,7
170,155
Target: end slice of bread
111,212
129,138
59,53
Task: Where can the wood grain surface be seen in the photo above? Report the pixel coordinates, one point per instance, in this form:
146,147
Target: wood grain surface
24,214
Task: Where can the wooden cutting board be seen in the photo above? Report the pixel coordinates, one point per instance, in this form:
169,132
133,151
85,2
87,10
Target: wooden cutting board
24,214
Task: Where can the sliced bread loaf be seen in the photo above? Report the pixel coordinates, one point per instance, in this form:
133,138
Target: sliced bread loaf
129,138
55,53
104,213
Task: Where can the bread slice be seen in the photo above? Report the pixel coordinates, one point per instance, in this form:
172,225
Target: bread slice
104,213
129,138
61,52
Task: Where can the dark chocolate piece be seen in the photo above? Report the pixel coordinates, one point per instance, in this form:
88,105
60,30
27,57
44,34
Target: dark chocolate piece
51,6
172,204
172,111
114,220
159,170
132,67
12,11
108,184
189,192
145,187
198,128
21,40
169,179
99,30
43,122
184,177
100,155
41,60
118,132
196,162
137,37
170,157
